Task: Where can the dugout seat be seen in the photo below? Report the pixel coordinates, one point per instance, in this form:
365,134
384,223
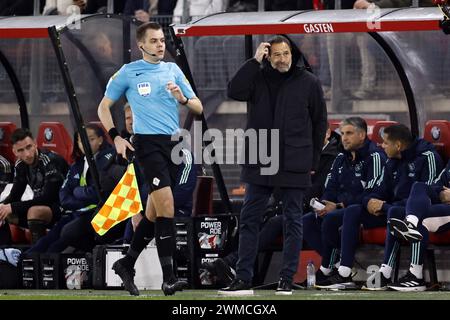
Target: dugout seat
378,130
6,130
373,236
334,124
19,235
438,133
53,136
203,196
377,236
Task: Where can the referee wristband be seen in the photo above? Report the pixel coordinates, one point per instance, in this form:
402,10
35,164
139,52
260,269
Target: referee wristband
185,103
113,133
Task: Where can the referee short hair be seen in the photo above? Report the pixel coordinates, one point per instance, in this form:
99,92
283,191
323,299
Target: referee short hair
142,29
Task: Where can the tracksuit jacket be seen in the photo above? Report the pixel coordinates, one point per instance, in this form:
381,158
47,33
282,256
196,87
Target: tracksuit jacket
420,162
348,181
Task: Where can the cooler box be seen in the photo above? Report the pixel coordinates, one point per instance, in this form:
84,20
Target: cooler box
148,270
214,237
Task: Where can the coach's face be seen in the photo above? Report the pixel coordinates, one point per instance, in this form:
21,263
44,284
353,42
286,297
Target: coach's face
280,57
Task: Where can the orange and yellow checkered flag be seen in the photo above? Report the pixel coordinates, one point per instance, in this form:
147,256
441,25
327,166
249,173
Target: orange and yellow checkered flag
124,202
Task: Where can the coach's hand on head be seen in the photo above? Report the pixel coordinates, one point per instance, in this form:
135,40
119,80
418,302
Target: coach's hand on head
262,51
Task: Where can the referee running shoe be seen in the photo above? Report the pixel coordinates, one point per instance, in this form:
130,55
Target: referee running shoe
127,276
170,287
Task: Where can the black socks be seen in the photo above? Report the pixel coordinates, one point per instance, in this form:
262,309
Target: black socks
144,233
165,243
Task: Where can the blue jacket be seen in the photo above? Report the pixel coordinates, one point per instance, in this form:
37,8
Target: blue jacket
348,181
420,162
443,180
74,197
185,185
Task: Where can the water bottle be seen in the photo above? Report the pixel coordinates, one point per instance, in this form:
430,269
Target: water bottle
310,275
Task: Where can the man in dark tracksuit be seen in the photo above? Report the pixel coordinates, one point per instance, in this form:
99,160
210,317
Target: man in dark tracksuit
44,172
329,153
5,178
272,227
427,210
353,174
410,160
5,173
282,98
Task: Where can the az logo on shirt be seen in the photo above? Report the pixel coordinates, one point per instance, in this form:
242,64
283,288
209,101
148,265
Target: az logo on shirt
144,88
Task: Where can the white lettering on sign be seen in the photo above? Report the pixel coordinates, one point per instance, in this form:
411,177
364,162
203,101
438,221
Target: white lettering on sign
318,27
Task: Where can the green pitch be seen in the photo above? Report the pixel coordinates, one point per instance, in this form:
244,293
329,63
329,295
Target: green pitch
212,295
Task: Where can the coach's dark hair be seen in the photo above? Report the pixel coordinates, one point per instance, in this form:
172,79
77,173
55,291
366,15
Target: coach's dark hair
76,152
142,29
20,134
357,122
279,39
399,132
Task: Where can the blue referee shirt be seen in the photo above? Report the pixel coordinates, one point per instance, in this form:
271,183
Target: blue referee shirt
155,110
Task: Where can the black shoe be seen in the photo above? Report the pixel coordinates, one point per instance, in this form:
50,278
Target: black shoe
337,282
409,282
173,285
224,272
404,230
284,287
321,277
377,282
127,276
237,288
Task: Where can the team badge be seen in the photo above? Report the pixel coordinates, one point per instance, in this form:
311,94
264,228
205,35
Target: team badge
435,133
144,88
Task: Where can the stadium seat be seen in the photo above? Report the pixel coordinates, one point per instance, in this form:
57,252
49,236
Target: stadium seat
6,129
440,238
18,235
53,136
378,130
203,196
373,236
334,124
438,133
